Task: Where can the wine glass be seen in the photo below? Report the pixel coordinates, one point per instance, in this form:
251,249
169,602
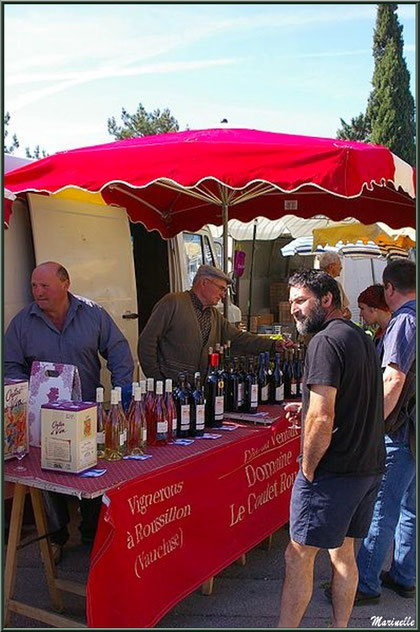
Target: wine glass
20,451
293,420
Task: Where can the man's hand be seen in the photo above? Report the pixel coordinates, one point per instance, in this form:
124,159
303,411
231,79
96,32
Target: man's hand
286,343
293,409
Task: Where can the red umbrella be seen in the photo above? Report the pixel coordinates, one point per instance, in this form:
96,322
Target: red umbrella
181,181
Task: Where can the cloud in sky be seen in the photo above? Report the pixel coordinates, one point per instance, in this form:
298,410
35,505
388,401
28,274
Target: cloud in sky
74,79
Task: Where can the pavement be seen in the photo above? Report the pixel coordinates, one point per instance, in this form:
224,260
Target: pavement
244,596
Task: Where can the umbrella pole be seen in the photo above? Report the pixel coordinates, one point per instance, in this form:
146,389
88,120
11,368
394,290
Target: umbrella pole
225,217
251,274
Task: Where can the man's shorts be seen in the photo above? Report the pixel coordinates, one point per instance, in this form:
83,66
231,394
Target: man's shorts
324,512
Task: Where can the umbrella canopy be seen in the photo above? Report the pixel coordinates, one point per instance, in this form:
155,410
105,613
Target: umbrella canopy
181,181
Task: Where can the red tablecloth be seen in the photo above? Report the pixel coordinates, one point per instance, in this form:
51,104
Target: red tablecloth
188,513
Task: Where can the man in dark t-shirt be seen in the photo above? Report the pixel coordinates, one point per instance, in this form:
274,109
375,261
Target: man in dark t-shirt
343,451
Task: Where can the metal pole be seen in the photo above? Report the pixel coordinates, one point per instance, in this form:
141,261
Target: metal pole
251,274
225,217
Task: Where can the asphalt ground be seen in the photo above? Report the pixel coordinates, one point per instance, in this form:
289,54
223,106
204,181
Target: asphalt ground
244,596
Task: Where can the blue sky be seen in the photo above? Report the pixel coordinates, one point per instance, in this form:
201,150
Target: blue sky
294,68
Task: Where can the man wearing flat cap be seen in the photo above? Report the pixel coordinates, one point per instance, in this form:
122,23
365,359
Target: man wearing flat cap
183,325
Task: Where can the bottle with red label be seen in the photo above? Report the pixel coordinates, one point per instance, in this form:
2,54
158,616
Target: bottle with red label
214,395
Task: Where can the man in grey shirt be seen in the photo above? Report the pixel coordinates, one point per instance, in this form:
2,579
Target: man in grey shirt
63,328
183,325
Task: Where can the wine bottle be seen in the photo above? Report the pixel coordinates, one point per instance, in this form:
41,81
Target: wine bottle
161,416
277,385
143,390
197,408
262,381
234,382
171,410
287,375
133,388
112,431
136,437
224,374
214,395
242,384
149,411
183,407
251,389
123,425
298,371
100,423
293,382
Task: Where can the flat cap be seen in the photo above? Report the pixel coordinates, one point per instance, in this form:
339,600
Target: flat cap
212,272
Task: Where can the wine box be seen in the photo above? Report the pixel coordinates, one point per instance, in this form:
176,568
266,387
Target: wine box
68,436
49,382
15,416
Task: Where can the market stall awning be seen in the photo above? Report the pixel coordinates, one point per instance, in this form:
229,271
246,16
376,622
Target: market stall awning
181,181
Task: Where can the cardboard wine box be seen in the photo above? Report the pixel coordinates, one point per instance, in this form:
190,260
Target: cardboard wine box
15,416
49,382
68,436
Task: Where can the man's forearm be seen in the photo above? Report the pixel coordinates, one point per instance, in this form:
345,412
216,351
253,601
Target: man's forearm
393,385
316,440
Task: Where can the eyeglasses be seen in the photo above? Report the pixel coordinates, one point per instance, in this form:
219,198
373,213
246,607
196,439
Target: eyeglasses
221,288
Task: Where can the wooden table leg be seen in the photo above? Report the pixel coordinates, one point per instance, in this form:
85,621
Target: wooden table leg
15,528
267,543
45,546
207,587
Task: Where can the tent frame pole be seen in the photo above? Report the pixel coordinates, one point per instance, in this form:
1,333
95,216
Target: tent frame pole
225,216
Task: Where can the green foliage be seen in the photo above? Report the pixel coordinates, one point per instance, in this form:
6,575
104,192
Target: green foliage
142,123
37,153
390,113
15,143
357,129
391,108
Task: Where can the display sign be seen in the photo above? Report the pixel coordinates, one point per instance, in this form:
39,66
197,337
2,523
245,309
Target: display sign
164,534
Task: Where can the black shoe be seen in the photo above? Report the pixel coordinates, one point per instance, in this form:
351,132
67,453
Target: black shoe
403,591
360,599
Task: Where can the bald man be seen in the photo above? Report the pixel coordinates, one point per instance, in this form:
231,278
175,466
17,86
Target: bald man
330,263
63,328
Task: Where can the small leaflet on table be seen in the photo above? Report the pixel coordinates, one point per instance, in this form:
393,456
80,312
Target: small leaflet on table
138,457
181,442
92,473
208,435
228,427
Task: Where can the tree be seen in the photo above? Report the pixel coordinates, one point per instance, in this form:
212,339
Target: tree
390,114
357,129
15,143
391,109
142,123
37,153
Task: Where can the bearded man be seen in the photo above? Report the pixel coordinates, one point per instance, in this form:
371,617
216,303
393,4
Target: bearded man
343,451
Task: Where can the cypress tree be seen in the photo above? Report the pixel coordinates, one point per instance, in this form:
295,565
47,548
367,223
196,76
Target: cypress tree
390,109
